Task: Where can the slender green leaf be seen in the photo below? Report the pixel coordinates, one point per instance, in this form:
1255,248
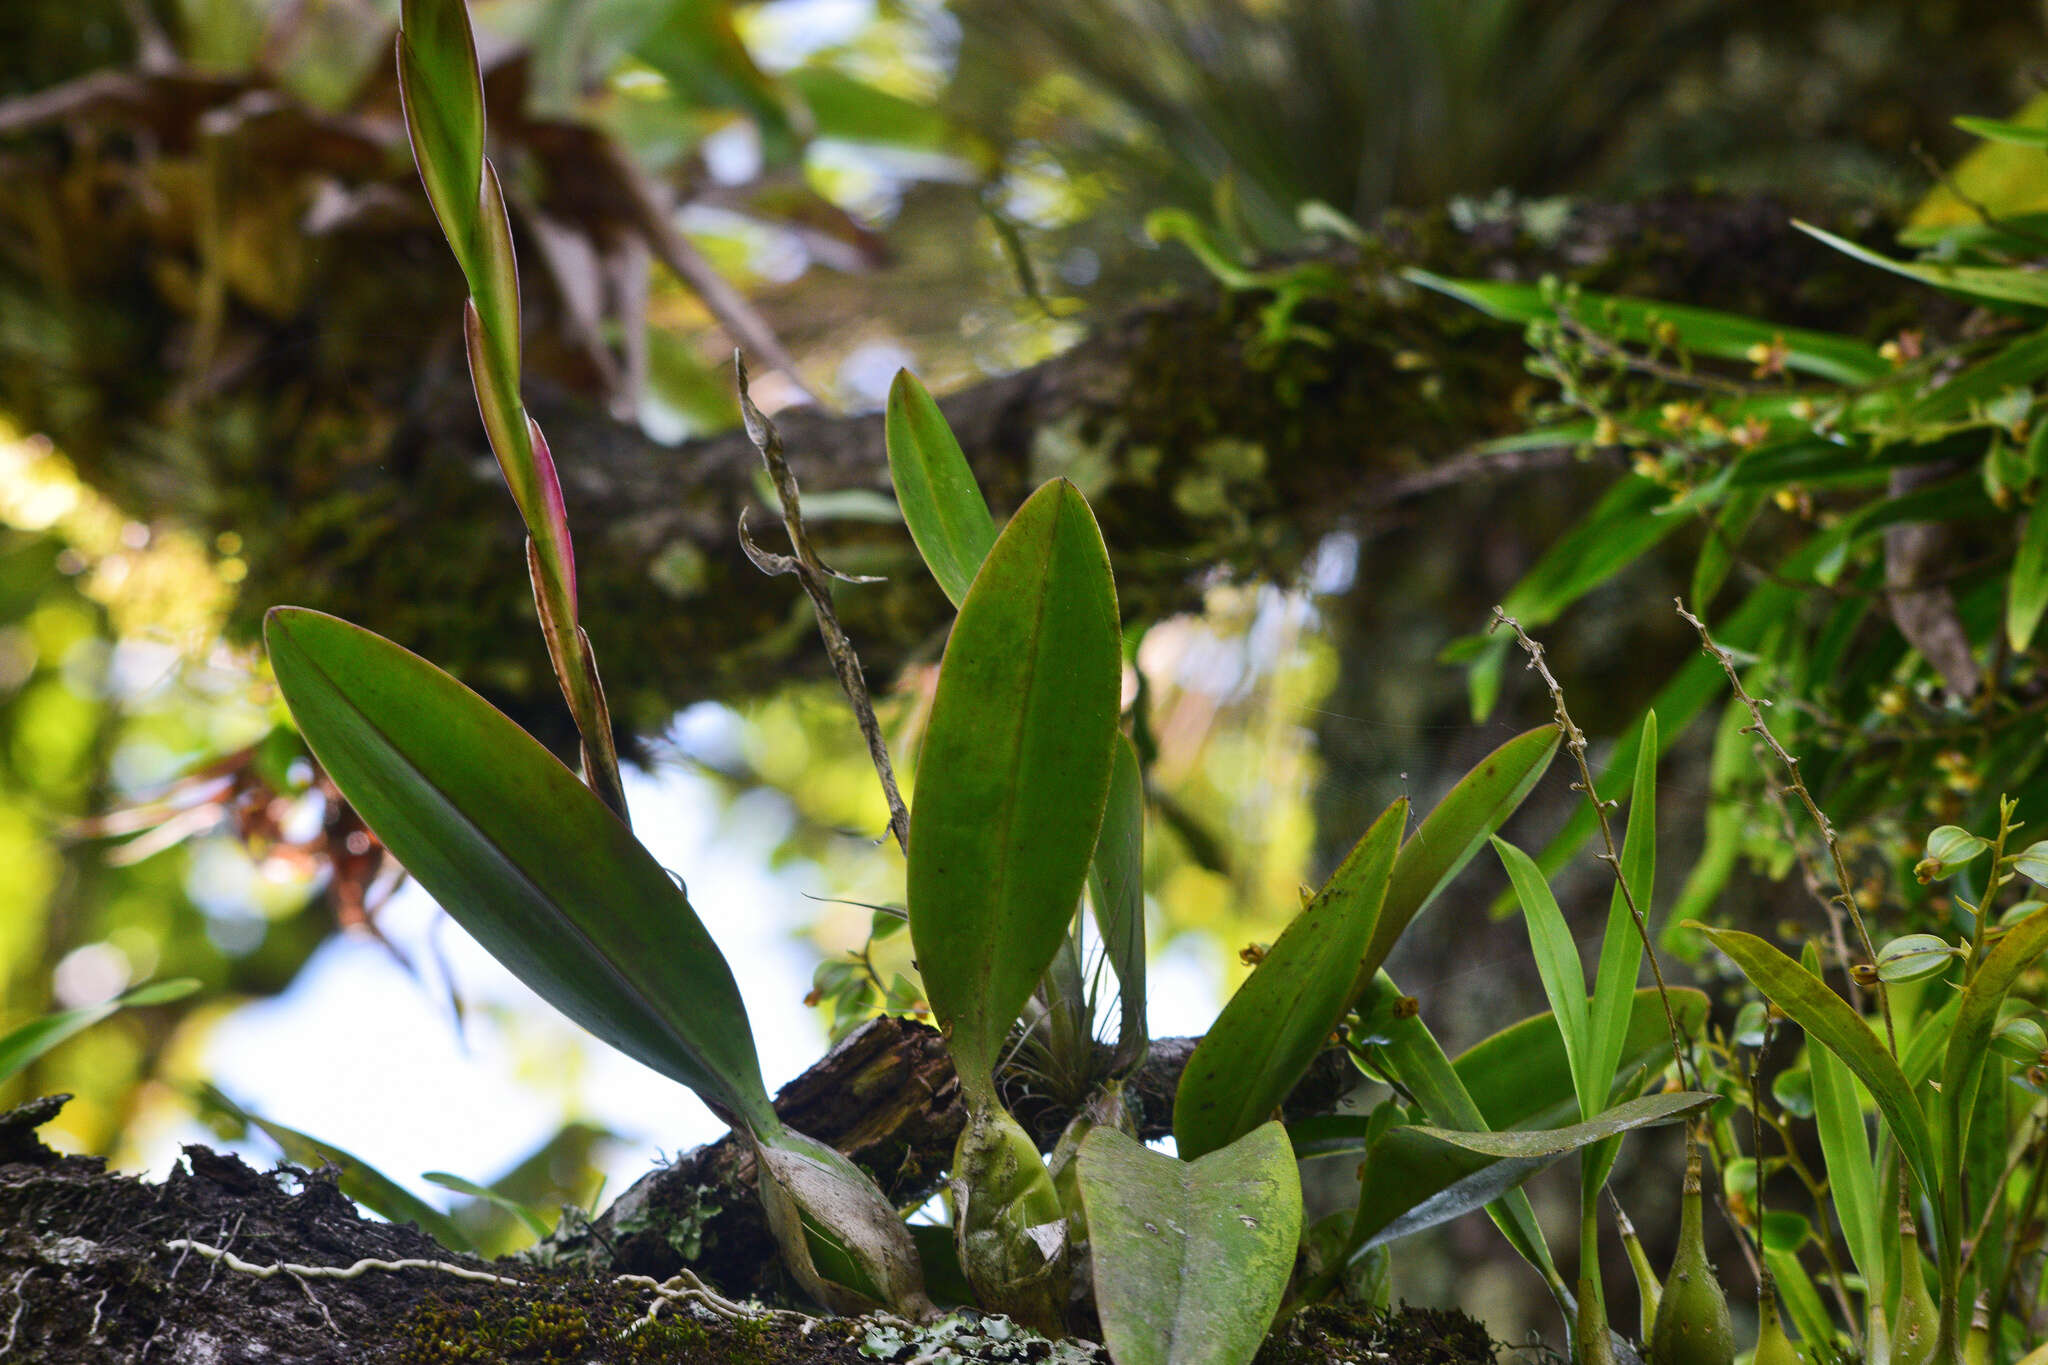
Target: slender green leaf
22,1045
2003,130
1991,283
1015,772
1417,1060
1191,1258
1804,1305
1828,1020
448,1180
1524,1143
443,96
521,854
1621,950
359,1180
1969,1043
942,504
1521,1078
1282,1016
1451,834
2027,588
1726,336
1116,890
1563,975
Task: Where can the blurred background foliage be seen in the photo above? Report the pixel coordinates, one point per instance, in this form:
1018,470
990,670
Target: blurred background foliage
858,185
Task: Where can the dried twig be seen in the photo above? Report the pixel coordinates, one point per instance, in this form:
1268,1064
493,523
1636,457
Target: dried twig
1797,786
811,572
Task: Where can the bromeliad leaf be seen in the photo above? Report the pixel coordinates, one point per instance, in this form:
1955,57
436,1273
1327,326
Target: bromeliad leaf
1015,772
942,505
1451,834
521,854
1281,1017
1191,1258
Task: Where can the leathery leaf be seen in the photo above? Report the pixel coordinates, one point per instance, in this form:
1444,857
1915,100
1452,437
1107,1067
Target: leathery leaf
1116,889
521,854
1191,1258
942,505
1451,834
1282,1015
1015,772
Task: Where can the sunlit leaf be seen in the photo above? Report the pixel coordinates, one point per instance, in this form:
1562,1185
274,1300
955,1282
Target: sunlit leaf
1191,1258
22,1045
521,854
1283,1014
1015,772
942,504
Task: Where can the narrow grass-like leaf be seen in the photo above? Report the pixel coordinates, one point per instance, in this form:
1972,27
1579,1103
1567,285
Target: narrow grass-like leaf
1521,1078
529,1218
2003,130
22,1045
1563,975
1525,1143
1451,834
942,504
1852,1174
1621,949
521,854
1116,891
1991,283
1969,1043
2027,588
1015,772
1282,1015
1726,336
1191,1258
359,1180
1829,1021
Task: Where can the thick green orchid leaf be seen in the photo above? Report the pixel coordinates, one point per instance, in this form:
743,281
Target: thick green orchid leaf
1412,1053
21,1046
1725,336
1116,890
359,1180
1993,284
1417,1176
1191,1258
1015,773
1563,975
1829,1021
1451,834
1611,1009
1969,1044
1283,1014
521,854
942,504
